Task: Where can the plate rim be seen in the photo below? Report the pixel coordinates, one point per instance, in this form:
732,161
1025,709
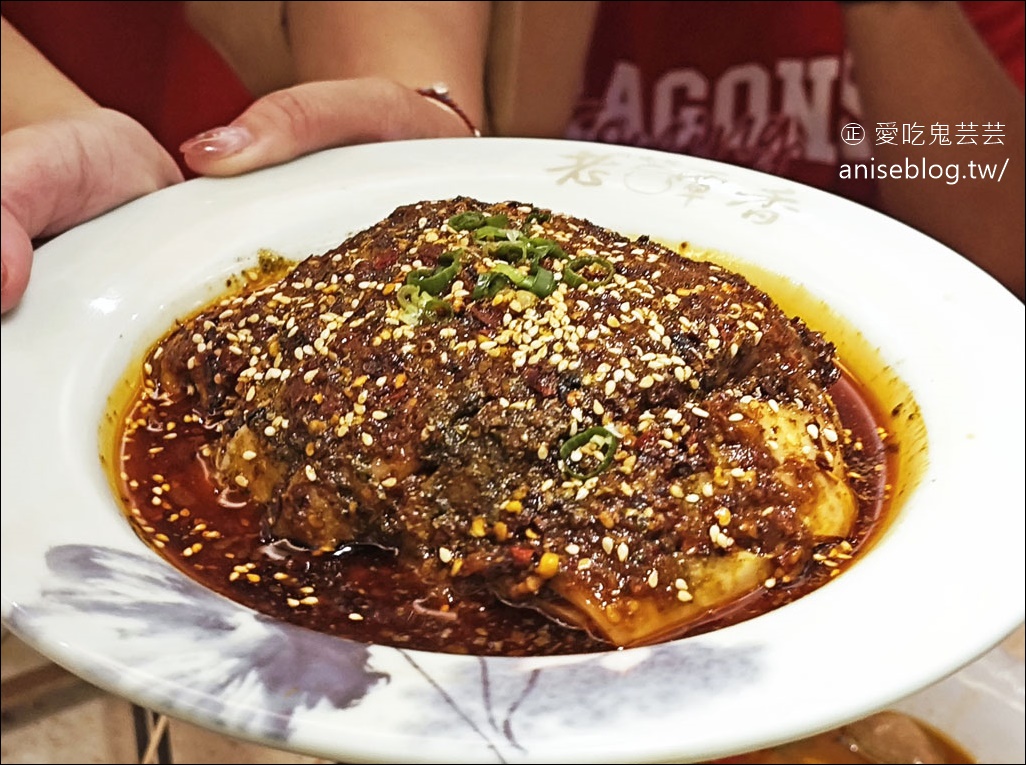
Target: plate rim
439,147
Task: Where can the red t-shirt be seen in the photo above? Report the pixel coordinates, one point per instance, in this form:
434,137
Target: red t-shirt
766,85
687,77
140,58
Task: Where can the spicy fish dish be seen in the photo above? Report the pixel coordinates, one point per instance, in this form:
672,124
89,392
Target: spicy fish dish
500,430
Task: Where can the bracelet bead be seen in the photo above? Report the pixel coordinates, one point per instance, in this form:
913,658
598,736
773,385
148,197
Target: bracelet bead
439,92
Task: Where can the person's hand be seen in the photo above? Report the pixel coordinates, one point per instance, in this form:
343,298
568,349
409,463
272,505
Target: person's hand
63,171
305,118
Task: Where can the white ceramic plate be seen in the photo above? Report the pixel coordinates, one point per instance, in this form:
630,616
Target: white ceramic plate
943,586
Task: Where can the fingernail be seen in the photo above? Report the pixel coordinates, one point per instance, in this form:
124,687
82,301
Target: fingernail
218,142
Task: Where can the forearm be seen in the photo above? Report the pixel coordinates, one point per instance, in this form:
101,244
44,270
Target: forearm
415,44
33,89
922,63
275,45
352,71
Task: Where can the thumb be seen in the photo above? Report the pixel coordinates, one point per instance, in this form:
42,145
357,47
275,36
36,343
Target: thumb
305,118
64,171
61,172
17,260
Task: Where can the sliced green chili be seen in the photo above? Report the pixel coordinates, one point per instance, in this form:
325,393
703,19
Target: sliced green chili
435,281
511,252
494,233
407,296
608,441
541,281
409,299
536,216
435,310
467,221
507,245
522,248
544,248
419,307
573,272
489,284
471,220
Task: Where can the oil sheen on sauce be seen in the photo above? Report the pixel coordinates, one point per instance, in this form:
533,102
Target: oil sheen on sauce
161,470
216,537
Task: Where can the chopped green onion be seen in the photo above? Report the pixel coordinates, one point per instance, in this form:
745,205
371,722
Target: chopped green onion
435,281
573,273
605,439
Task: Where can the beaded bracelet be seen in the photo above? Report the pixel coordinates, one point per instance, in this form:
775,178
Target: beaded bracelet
439,93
